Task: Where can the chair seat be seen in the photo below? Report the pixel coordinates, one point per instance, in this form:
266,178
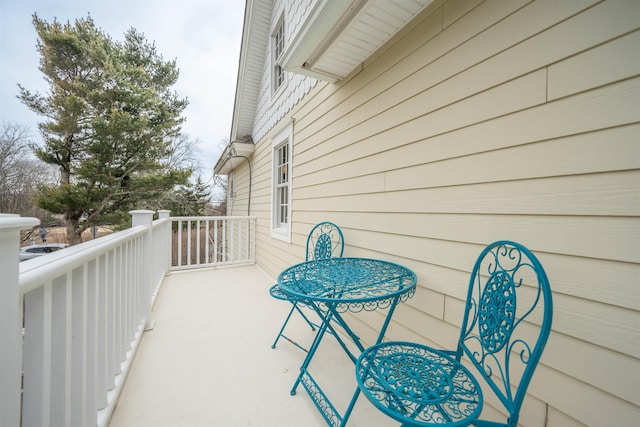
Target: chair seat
418,385
277,293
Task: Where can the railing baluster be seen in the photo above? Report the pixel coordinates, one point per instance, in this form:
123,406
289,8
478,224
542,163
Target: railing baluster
77,360
245,240
112,333
197,224
37,357
189,262
207,241
129,282
247,233
91,313
233,238
224,240
118,315
60,350
230,239
216,228
179,243
101,347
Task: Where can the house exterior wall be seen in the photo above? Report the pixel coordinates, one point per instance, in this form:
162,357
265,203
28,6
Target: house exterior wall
487,120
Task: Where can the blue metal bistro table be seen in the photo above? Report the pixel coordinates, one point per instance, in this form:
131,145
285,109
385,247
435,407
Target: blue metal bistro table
336,286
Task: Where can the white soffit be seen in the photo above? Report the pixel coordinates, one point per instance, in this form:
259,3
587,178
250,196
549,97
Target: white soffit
236,150
338,35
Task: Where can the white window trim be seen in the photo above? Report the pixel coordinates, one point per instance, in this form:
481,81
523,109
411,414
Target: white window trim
284,136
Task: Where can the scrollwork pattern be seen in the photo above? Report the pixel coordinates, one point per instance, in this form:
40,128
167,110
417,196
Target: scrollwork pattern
324,241
348,284
496,311
414,382
320,400
492,337
323,247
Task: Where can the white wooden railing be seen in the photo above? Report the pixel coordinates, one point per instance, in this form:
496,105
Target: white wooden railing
213,240
71,321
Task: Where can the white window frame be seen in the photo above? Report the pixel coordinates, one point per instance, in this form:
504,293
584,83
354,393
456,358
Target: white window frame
278,45
284,138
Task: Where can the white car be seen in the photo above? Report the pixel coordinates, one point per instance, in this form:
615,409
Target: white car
28,252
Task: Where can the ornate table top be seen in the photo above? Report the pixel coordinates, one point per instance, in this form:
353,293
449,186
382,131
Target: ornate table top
348,284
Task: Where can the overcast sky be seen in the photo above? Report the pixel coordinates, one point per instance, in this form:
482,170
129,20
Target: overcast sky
203,35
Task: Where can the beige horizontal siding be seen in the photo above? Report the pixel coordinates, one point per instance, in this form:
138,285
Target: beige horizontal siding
486,120
616,60
589,194
598,110
438,82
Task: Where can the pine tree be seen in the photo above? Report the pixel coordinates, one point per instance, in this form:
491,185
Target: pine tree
189,199
109,116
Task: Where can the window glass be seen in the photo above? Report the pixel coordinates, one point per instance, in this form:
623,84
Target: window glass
282,191
281,187
278,49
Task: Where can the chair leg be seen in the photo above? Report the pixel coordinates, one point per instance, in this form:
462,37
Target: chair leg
284,325
313,326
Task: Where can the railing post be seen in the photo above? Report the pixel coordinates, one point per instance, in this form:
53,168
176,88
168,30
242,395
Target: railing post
145,219
10,317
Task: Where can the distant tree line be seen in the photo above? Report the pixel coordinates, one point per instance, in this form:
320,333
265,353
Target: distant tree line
21,173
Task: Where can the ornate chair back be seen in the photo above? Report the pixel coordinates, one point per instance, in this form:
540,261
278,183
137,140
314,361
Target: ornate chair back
507,320
324,241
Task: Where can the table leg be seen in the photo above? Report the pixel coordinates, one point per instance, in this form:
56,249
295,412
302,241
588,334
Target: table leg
317,395
354,338
312,349
383,330
319,398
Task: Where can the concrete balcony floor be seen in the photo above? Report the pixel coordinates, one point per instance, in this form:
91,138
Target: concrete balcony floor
208,361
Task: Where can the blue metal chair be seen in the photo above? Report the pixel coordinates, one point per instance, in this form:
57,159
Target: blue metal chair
325,240
506,324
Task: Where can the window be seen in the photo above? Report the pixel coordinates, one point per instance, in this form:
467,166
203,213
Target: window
281,203
277,40
282,185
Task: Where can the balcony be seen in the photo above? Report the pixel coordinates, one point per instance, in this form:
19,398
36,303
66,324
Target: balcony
168,323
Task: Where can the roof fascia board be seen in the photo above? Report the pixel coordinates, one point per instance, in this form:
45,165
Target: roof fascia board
251,25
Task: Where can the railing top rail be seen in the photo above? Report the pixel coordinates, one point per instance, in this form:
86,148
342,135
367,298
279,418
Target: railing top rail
157,222
36,271
201,218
